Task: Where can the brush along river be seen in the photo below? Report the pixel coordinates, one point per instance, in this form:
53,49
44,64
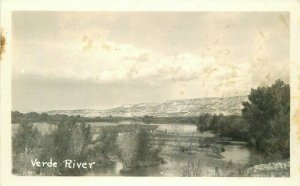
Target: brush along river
181,152
182,155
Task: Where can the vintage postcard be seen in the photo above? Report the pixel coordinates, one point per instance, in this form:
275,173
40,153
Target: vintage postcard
148,93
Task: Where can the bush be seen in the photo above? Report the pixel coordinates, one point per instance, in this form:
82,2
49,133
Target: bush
25,144
230,126
139,149
106,143
70,140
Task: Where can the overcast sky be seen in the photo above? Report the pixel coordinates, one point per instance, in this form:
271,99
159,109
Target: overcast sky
67,60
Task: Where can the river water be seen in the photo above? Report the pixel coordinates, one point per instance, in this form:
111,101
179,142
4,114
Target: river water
237,153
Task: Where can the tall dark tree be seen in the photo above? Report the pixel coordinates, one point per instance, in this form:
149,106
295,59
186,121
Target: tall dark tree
267,112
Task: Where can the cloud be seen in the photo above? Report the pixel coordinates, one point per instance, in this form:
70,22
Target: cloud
98,61
108,62
211,54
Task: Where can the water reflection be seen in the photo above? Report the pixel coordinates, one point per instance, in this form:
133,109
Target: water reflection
177,128
108,170
236,153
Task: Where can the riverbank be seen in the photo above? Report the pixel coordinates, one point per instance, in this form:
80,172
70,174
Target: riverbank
275,169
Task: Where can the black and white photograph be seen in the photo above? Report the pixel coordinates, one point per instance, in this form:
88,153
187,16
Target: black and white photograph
149,93
173,94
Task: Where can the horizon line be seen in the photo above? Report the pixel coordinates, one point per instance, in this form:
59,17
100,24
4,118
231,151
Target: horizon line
131,104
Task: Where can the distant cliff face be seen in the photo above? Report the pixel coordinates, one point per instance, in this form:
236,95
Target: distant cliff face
186,107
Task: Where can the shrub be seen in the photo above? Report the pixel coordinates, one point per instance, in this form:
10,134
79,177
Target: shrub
70,140
139,148
106,143
25,145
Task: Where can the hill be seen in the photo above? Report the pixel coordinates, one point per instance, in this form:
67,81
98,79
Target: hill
171,108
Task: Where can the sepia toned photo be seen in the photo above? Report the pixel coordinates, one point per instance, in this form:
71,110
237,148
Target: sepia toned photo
176,94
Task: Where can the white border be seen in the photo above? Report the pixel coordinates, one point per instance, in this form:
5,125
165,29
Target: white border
149,5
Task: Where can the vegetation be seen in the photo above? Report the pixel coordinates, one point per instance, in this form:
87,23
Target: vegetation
265,120
268,115
34,117
106,143
264,123
69,141
197,167
72,140
226,126
139,149
24,147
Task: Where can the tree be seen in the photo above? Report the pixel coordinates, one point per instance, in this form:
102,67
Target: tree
16,117
204,122
147,119
70,140
139,148
106,141
267,113
25,145
214,122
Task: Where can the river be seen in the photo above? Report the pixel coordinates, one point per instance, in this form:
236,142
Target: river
237,153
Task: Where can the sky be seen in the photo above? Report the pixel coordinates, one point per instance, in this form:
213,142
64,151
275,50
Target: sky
100,60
